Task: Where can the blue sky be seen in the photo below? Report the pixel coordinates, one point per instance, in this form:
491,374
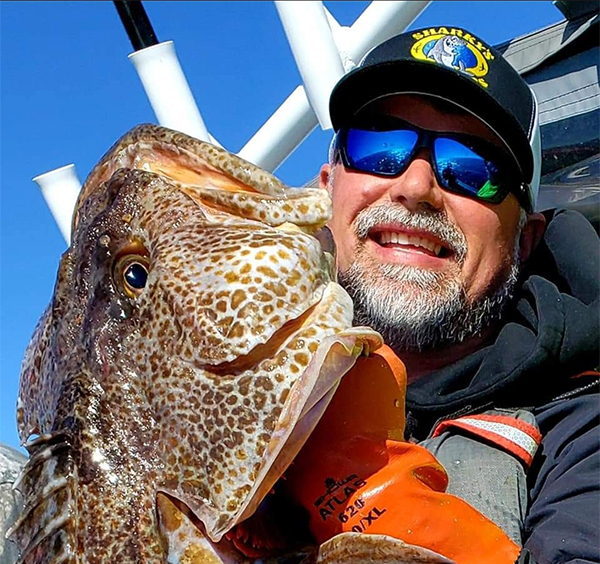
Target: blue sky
68,91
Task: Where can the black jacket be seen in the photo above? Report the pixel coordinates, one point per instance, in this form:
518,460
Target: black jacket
550,336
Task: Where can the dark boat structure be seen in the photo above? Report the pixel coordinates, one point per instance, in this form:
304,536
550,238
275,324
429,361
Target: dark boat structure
561,62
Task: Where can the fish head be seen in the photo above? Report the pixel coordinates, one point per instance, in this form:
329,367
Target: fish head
208,320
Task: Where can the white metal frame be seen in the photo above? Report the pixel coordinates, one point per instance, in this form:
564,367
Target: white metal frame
293,121
323,51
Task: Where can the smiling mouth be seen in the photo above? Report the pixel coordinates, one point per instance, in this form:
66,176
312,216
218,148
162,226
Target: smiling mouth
402,240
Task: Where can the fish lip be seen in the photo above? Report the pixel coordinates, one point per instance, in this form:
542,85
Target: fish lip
374,234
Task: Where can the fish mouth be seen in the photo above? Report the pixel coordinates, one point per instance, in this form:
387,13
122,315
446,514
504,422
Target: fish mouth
181,157
183,166
278,527
175,163
214,178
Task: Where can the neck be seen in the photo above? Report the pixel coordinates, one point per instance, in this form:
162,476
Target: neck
421,364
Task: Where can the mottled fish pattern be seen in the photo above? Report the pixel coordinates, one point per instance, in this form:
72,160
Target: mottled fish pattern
194,338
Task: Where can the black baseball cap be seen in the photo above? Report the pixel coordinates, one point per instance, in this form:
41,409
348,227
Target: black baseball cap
455,65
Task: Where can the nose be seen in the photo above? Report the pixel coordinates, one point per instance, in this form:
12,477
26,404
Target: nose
417,188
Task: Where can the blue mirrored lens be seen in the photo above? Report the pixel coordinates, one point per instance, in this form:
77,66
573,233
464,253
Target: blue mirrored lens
462,170
380,152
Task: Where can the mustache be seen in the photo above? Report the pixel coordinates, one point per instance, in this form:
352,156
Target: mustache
431,221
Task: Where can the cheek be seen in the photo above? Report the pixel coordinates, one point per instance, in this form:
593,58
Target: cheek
341,229
350,194
491,238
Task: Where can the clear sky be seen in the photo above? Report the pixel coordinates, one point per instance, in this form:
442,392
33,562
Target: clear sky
68,91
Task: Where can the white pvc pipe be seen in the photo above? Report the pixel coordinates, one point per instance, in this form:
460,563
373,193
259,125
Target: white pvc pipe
168,90
315,52
174,105
380,21
340,35
293,121
60,188
282,132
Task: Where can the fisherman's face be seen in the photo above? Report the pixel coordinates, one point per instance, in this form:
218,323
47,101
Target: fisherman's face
426,267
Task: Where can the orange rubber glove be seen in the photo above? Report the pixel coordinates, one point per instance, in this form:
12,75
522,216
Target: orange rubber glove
356,473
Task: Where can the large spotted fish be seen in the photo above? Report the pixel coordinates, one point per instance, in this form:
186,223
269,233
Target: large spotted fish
194,338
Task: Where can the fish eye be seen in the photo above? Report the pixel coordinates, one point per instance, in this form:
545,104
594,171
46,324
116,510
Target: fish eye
136,276
131,273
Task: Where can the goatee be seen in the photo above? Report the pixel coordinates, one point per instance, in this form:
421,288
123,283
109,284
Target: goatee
416,309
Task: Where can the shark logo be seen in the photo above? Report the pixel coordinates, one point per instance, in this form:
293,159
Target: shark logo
448,51
455,49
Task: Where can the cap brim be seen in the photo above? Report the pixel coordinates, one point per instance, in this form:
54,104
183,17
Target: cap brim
366,84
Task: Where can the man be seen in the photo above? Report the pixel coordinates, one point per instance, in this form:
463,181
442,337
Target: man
434,173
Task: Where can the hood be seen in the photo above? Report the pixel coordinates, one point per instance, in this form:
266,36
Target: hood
551,333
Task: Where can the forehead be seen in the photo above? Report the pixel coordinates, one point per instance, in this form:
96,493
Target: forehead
430,113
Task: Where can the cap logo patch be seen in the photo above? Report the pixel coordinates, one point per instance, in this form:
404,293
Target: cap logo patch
453,48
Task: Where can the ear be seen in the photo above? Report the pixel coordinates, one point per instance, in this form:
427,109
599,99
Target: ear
531,235
324,175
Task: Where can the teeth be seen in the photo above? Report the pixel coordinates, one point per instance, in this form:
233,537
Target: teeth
403,239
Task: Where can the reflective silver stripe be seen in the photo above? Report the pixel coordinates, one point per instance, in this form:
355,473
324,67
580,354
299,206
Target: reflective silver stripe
505,430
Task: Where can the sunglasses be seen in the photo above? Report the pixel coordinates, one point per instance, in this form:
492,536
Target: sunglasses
462,164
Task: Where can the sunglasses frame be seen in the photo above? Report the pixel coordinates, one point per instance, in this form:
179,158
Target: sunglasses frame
426,139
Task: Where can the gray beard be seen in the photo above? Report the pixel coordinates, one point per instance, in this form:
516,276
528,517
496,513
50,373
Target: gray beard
416,309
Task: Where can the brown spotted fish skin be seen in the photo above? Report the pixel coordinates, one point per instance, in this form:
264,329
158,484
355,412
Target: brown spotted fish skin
358,548
200,382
